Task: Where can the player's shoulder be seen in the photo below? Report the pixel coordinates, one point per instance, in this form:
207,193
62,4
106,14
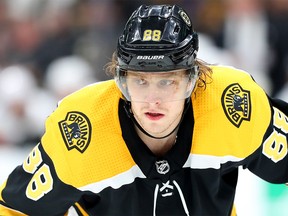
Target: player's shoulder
91,95
223,72
87,105
233,81
238,105
95,89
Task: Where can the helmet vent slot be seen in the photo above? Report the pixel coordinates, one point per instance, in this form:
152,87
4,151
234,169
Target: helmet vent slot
176,29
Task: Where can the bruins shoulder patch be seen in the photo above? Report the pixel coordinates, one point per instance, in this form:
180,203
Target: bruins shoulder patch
76,131
236,103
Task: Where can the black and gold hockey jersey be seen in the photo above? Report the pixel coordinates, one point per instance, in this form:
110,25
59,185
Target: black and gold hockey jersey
90,160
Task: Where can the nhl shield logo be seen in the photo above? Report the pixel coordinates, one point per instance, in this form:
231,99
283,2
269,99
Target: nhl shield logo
162,167
76,131
236,103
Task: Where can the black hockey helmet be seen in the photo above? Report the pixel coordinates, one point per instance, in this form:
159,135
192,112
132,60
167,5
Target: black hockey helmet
157,38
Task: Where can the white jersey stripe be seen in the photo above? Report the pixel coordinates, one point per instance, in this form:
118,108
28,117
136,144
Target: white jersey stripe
116,181
196,161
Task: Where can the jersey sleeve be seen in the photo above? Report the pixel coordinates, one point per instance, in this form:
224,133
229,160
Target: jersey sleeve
270,160
35,189
237,123
50,179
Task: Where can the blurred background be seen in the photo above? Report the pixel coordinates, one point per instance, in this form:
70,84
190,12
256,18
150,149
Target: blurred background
49,49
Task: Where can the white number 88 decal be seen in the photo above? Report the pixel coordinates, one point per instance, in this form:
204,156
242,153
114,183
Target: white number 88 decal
275,146
42,181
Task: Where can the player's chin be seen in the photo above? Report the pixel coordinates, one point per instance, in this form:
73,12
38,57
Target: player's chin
156,130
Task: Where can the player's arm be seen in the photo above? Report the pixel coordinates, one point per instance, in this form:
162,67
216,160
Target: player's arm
35,189
4,210
270,160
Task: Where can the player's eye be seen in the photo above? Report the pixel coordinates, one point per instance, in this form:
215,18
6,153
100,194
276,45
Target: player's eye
141,81
166,82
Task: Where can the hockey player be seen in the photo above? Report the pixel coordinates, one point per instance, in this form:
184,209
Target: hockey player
164,137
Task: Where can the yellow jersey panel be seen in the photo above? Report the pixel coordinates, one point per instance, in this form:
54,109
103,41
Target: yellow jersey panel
232,110
96,155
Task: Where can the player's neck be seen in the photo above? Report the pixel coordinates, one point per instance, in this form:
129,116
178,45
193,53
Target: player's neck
158,147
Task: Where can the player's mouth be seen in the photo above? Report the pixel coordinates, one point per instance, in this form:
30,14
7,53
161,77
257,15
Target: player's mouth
154,116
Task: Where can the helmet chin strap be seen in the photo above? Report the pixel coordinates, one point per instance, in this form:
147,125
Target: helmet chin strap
127,107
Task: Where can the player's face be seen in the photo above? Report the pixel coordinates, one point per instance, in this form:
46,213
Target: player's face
162,100
157,118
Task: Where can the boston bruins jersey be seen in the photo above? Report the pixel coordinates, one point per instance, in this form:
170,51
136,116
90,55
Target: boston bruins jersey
90,160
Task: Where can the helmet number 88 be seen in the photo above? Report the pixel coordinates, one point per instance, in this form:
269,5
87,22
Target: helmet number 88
154,35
